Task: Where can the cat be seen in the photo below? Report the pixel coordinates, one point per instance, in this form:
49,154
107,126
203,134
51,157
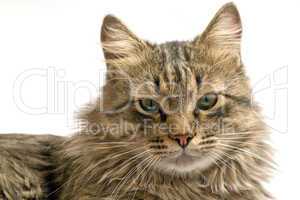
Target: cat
175,121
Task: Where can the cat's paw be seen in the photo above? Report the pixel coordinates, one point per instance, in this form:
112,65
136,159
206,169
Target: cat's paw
19,184
19,189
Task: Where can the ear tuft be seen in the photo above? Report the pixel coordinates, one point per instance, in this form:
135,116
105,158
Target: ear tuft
117,40
225,29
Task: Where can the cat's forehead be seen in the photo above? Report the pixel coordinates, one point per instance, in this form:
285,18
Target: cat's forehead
167,71
175,74
178,68
174,61
174,52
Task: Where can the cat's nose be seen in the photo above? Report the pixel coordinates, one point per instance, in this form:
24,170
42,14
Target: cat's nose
182,140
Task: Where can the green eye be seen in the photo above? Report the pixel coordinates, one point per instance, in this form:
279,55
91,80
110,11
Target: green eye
149,105
207,101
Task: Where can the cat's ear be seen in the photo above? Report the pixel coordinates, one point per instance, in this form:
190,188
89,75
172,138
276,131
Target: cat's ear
224,30
118,41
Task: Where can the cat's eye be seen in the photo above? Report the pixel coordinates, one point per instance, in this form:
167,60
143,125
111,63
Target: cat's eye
207,101
149,105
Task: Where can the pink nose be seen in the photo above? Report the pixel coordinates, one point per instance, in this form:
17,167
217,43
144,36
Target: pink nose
182,140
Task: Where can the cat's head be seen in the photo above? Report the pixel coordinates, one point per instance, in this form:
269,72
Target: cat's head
189,102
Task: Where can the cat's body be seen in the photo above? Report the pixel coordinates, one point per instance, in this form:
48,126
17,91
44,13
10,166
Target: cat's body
175,122
30,173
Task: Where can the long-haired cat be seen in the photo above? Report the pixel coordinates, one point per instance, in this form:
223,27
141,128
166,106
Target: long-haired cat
175,121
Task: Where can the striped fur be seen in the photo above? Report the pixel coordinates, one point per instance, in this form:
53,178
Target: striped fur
228,156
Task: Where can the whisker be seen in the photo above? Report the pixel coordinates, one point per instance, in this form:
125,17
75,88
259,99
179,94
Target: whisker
99,146
236,149
116,155
220,159
215,157
127,177
207,146
127,163
75,177
244,132
243,142
152,159
241,137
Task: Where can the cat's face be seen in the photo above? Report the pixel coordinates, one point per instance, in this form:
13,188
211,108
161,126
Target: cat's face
190,101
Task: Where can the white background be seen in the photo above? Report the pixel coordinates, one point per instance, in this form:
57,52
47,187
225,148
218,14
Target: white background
51,62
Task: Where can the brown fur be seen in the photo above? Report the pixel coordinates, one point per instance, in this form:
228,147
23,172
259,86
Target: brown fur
123,153
25,162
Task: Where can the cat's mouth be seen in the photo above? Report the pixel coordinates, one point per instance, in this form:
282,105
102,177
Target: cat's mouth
182,158
184,162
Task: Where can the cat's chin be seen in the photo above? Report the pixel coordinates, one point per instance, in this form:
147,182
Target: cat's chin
183,162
